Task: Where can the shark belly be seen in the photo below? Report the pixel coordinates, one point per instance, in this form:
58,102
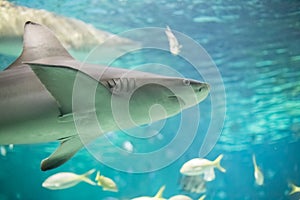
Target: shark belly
35,131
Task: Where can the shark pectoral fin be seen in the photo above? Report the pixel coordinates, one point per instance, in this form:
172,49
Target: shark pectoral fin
62,154
66,85
59,81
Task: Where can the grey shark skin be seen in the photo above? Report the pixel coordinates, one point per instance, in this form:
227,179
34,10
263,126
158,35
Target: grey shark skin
37,91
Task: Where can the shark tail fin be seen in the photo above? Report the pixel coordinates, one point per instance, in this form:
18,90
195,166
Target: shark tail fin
160,192
294,190
39,42
85,177
217,163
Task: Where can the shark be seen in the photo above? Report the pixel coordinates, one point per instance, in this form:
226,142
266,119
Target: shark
38,94
75,35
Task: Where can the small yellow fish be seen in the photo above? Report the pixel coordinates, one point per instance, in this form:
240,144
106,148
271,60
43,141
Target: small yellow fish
198,166
158,196
295,189
65,180
259,177
106,183
173,43
202,197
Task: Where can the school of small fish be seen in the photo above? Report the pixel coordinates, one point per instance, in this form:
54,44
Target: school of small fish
195,173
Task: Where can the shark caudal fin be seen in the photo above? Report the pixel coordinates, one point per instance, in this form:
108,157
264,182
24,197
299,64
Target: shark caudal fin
39,42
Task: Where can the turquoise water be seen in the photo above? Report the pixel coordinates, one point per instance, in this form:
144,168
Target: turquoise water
255,45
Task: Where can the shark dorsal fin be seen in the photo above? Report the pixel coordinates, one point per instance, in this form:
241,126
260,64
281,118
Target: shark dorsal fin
39,42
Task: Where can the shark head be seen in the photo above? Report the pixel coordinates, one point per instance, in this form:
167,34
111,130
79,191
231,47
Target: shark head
153,97
164,97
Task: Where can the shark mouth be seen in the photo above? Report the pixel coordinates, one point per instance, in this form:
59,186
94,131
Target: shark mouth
179,99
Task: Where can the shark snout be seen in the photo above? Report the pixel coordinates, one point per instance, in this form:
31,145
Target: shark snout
199,86
192,93
204,87
201,90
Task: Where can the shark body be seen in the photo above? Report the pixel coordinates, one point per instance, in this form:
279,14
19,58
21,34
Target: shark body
37,97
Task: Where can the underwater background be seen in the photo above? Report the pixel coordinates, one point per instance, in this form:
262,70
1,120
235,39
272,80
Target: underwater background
256,48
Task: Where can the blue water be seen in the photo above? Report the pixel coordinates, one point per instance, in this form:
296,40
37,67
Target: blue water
255,45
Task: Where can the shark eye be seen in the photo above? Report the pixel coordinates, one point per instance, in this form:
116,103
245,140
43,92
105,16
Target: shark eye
186,82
